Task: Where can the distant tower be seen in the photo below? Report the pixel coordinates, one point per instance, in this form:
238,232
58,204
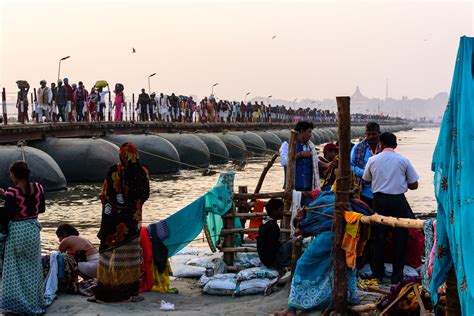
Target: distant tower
386,89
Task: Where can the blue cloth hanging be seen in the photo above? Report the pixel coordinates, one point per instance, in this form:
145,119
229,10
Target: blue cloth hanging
453,164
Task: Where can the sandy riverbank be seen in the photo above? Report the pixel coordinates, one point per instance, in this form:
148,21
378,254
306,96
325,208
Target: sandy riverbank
189,301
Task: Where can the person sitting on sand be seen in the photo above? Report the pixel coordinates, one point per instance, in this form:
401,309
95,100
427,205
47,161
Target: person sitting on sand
271,251
70,240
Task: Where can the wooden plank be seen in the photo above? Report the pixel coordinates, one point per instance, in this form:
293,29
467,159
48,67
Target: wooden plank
239,249
253,196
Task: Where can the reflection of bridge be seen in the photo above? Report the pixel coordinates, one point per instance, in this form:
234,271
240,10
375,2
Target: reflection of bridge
17,132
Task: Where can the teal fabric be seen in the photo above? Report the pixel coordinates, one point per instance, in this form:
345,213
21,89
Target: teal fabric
187,223
215,211
453,164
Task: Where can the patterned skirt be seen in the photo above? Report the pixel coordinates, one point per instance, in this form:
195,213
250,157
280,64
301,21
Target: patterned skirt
22,283
118,273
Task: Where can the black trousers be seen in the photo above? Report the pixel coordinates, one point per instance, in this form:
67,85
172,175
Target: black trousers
396,206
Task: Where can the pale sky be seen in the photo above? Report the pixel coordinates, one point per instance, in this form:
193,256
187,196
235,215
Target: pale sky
322,48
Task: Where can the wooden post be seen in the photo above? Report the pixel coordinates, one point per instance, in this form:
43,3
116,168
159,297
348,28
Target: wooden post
32,106
229,241
133,107
343,185
290,181
4,107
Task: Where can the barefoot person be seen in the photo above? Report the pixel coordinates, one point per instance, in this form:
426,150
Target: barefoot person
22,277
70,240
125,189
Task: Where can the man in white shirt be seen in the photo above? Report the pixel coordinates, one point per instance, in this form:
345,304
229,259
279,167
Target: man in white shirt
390,175
45,98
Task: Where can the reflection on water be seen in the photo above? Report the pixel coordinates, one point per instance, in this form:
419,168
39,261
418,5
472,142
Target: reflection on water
81,206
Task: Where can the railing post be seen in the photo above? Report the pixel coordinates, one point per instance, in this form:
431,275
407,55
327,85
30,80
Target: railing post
4,107
343,186
110,106
133,107
32,106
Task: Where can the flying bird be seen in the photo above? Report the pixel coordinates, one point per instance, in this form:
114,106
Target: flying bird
133,50
274,36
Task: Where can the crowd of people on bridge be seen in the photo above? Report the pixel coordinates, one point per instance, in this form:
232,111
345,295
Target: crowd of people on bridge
66,102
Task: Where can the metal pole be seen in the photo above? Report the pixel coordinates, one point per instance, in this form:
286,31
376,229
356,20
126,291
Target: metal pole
343,184
149,89
4,107
133,107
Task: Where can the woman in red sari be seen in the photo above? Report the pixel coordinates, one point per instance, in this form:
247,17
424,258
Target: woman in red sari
125,190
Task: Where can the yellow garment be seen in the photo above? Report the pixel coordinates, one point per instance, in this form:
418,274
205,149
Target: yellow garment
353,221
409,303
162,280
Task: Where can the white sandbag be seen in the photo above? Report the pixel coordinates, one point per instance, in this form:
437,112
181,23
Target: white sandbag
205,279
200,261
254,286
220,287
247,260
194,251
257,273
185,271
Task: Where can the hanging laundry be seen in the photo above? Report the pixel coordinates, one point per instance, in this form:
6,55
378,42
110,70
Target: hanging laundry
429,242
256,222
146,276
355,237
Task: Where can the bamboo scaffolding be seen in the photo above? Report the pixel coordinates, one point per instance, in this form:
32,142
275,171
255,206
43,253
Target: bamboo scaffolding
264,173
225,231
238,249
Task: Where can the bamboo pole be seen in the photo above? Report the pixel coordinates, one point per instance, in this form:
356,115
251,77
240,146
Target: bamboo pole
342,203
4,107
290,181
393,221
231,250
226,231
264,173
254,196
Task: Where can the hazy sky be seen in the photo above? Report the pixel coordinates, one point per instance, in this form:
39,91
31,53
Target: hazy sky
322,48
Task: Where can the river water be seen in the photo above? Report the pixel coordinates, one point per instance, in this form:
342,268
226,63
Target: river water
80,204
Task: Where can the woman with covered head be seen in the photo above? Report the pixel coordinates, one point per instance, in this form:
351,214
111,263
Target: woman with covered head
22,277
125,190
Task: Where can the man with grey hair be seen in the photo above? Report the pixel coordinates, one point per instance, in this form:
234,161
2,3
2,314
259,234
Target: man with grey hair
45,98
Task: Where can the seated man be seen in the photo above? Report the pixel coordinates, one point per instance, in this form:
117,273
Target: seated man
70,240
271,251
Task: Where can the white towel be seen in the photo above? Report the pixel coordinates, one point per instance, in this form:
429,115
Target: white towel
51,282
295,205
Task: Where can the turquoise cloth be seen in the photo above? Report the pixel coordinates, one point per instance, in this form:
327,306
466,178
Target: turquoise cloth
22,280
311,287
453,164
187,223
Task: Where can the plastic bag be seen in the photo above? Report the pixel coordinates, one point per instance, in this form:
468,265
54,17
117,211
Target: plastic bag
257,273
220,287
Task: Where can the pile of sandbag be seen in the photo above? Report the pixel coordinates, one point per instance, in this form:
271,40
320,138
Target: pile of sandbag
192,263
247,282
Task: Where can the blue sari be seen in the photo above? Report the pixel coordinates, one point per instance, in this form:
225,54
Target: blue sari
453,164
311,287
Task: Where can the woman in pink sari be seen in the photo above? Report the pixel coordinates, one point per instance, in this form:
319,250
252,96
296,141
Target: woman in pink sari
118,103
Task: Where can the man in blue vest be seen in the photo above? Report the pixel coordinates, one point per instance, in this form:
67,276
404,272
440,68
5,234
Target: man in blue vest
307,174
361,153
